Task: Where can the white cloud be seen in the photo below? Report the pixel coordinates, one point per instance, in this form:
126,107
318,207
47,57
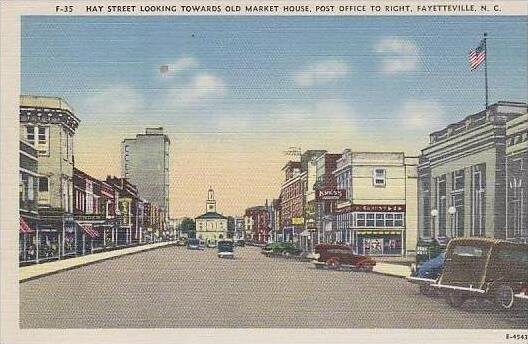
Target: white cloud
201,88
399,55
181,65
114,101
421,114
321,73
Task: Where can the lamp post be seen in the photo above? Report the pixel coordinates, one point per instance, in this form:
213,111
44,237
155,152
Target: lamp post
452,211
434,214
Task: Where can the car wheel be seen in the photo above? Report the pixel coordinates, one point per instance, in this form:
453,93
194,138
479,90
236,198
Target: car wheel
333,263
504,297
455,299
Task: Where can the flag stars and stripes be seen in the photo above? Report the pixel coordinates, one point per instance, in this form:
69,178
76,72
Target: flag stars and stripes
477,56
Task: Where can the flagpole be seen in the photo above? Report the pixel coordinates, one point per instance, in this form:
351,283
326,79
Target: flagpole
486,66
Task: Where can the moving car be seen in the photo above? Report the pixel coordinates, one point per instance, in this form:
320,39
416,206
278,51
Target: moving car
341,257
484,268
226,249
195,244
240,243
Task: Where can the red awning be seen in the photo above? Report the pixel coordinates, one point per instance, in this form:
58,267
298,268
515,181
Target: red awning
89,229
24,227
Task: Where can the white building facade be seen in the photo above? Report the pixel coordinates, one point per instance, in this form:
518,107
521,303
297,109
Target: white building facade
379,215
211,226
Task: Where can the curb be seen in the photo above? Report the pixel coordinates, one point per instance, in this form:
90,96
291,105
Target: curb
44,274
388,274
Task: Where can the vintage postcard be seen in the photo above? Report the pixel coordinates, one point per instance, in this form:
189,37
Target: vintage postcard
275,172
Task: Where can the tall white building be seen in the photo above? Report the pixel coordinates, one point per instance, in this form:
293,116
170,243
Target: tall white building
145,163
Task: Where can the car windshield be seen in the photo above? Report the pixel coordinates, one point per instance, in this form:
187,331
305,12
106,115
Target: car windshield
469,251
225,247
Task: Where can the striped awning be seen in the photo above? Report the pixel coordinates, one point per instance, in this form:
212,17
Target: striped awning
24,227
88,228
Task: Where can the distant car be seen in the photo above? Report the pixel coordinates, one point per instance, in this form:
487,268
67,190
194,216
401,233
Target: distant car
484,268
211,244
284,248
341,257
195,244
181,242
240,243
225,249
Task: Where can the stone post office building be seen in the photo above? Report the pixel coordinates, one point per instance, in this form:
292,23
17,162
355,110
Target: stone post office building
472,176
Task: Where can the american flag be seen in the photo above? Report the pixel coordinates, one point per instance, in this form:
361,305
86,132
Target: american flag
477,55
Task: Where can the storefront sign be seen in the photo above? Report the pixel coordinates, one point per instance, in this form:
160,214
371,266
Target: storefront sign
397,208
330,194
297,221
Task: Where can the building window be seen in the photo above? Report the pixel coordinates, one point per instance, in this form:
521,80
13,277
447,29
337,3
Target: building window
398,220
389,220
379,177
380,220
30,134
43,184
478,200
370,220
360,220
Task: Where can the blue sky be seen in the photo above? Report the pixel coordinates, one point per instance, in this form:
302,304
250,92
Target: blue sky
253,85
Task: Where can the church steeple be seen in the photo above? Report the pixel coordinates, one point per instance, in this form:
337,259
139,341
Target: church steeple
210,203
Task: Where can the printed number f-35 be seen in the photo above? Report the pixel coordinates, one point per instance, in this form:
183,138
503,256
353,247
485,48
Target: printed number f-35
64,9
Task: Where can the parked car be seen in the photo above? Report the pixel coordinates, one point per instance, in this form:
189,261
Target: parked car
226,249
181,242
427,249
211,244
428,273
484,268
240,243
195,244
283,248
341,257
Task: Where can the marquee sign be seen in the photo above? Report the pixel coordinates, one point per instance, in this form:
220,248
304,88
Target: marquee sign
330,194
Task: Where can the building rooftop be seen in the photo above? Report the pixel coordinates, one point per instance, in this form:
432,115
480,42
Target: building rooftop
45,102
501,111
211,215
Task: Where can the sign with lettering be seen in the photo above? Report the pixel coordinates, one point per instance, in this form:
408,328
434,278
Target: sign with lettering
297,221
330,194
388,208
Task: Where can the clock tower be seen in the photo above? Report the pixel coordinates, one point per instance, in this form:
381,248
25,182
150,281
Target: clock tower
210,203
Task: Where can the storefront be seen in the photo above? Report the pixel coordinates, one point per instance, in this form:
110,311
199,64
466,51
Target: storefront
27,241
69,236
379,242
90,238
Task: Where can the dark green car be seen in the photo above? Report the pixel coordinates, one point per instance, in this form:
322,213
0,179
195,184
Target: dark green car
285,248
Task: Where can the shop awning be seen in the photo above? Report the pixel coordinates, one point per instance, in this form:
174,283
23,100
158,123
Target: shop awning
24,227
305,233
88,228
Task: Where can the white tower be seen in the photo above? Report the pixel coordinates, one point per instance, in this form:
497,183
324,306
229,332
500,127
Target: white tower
210,203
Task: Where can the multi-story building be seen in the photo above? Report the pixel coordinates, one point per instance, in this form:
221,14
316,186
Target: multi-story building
28,203
470,171
239,233
325,189
145,163
378,213
292,201
211,226
130,210
49,125
258,224
517,179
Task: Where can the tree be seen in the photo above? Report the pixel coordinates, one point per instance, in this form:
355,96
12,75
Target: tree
187,225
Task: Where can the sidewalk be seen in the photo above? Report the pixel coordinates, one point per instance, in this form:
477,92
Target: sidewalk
394,270
30,272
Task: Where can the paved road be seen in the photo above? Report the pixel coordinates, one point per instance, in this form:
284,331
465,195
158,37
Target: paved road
175,287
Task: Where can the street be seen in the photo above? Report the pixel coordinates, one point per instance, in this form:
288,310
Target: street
174,287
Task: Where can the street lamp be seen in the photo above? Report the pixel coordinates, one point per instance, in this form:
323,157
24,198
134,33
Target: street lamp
434,214
452,211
